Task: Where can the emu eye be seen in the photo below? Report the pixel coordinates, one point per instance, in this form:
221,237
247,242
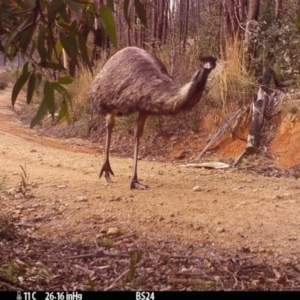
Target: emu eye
207,65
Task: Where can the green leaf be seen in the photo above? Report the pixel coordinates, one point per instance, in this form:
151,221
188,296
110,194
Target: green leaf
42,111
75,7
26,35
63,13
65,43
88,25
33,83
92,8
140,11
64,112
62,90
73,48
58,49
54,7
20,83
50,44
12,38
108,20
298,21
65,80
51,65
49,97
25,68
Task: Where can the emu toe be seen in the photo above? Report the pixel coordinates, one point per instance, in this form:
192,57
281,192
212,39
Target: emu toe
138,186
107,170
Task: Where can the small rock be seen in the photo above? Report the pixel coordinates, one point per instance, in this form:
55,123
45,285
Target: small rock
220,230
32,151
160,172
112,230
196,188
12,191
81,198
286,261
242,234
62,186
236,189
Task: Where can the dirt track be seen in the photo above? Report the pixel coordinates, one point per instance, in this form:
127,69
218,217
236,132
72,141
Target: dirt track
231,210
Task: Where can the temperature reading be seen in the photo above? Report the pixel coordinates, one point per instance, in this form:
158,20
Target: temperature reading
26,296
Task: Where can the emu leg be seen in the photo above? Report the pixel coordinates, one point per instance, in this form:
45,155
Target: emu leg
106,168
134,184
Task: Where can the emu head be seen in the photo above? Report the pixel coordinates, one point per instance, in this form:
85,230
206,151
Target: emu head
208,62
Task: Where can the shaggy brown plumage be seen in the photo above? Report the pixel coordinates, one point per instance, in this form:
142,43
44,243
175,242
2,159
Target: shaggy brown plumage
134,80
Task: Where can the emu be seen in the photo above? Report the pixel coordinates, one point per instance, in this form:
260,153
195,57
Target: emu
134,80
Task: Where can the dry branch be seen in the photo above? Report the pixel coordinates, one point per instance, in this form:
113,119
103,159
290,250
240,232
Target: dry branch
221,130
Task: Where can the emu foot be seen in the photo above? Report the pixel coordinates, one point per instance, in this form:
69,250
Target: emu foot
106,168
136,185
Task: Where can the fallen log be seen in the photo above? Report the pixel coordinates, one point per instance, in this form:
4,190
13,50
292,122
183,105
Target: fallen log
262,100
208,165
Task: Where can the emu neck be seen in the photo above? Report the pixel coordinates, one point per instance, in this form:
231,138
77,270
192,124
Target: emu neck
194,89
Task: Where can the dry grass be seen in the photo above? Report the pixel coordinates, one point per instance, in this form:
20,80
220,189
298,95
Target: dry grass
8,77
230,83
3,81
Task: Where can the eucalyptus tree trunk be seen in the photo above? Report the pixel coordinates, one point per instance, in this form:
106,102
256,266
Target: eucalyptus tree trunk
161,12
251,24
166,22
154,22
184,19
230,17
